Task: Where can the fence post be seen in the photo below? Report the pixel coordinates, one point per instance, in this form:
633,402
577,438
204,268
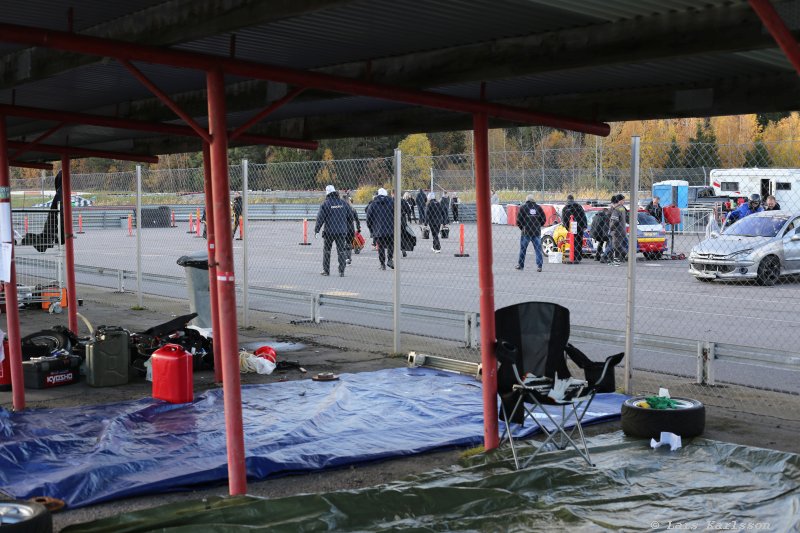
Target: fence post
632,242
139,300
315,318
398,156
706,353
244,232
471,330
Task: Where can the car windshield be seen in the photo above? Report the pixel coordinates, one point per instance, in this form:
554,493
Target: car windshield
756,226
646,219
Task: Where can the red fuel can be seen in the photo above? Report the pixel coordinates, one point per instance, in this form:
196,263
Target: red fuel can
5,369
172,374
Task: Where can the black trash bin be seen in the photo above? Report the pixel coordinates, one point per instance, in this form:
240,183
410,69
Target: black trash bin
196,265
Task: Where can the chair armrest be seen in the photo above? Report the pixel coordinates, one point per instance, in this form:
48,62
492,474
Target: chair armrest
610,362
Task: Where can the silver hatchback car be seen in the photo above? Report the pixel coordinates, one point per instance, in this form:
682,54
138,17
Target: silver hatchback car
762,247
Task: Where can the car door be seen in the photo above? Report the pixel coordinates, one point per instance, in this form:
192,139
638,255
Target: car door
791,246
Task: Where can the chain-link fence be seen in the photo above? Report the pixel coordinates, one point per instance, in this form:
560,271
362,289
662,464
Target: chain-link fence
712,301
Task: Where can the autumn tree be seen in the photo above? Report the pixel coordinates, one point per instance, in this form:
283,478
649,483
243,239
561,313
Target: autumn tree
327,174
417,162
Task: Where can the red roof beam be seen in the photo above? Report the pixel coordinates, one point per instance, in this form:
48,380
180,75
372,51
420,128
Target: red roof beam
38,139
166,100
140,125
24,164
312,80
779,31
274,106
86,152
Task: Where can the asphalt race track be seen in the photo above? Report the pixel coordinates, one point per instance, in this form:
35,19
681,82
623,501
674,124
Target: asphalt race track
669,301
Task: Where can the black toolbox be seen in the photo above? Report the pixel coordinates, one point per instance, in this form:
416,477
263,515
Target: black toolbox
46,372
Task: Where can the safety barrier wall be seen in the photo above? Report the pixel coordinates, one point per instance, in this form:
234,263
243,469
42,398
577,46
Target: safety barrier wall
667,301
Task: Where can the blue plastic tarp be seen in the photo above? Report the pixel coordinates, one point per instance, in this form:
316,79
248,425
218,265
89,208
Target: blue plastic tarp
90,454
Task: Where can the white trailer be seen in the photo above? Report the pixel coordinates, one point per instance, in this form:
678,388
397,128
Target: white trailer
782,183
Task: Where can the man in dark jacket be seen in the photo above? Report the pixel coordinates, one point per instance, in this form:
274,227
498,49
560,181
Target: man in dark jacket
575,210
530,219
337,217
771,204
422,205
654,208
409,200
454,207
380,220
435,216
237,213
446,207
617,228
599,232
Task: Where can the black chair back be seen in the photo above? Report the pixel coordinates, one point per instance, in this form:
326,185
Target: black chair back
540,331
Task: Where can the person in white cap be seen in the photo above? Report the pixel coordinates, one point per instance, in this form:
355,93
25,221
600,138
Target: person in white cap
337,217
435,216
380,221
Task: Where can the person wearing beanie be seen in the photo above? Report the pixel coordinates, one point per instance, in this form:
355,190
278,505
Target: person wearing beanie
530,219
336,217
380,220
435,217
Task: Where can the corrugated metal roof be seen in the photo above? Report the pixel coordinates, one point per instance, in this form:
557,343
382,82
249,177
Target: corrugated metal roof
357,31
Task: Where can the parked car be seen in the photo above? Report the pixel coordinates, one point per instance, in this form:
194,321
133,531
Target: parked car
651,242
761,247
588,245
77,201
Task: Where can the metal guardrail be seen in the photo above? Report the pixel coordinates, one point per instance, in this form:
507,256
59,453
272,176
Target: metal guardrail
117,217
707,353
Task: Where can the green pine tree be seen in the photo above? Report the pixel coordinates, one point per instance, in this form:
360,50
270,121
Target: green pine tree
758,156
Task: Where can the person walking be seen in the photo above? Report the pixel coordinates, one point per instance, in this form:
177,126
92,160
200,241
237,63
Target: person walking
599,233
336,217
446,207
237,212
617,227
409,198
380,218
654,208
575,210
352,228
435,216
530,219
421,206
454,206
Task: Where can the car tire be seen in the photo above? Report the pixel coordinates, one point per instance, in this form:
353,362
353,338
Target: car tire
688,420
48,340
548,245
769,270
24,517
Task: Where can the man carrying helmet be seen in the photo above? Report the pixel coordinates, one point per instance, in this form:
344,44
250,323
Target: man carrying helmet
752,206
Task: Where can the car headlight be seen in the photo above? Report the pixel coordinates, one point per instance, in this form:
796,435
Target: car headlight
740,253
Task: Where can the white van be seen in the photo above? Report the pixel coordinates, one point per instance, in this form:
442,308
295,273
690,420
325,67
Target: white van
782,183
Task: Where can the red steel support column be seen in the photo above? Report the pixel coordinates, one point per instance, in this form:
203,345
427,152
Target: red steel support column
226,288
777,28
480,123
10,288
69,246
212,261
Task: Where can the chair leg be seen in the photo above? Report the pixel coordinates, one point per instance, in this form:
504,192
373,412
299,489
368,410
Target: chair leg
508,435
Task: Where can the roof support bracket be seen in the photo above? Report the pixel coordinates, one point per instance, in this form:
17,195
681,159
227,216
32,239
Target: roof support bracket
261,115
37,140
161,95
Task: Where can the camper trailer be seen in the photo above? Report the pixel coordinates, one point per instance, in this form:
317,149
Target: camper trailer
782,183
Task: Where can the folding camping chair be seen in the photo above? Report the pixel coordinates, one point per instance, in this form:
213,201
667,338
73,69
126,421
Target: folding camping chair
532,348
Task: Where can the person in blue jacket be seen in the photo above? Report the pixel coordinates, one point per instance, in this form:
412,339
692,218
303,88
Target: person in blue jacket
752,206
337,218
380,220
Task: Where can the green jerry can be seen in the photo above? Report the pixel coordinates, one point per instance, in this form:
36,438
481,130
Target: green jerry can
108,357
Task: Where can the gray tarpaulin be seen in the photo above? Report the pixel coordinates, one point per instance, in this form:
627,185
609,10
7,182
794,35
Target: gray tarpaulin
706,485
